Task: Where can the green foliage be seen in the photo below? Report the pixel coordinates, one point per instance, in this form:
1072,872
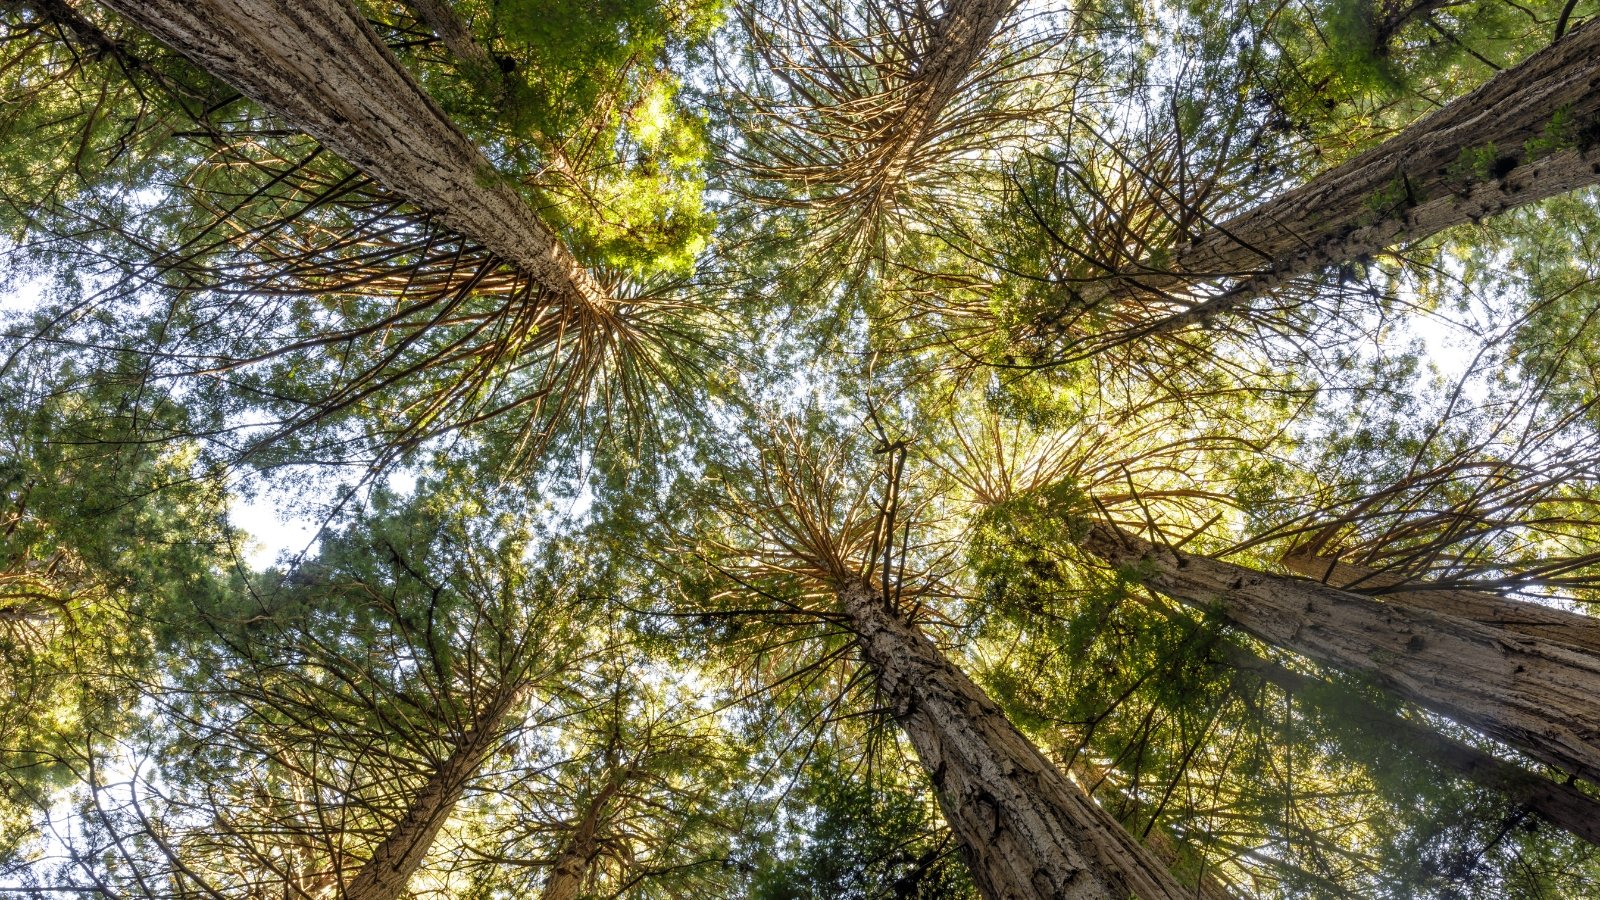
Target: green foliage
861,836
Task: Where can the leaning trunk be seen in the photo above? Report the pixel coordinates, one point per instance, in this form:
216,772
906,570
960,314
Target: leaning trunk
1531,132
1532,693
388,871
572,864
958,42
1549,623
1026,830
320,66
1561,805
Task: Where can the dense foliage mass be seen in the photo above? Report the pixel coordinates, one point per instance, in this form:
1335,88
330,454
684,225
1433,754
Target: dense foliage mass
790,449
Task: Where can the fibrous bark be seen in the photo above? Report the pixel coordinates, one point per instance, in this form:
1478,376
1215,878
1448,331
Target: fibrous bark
1026,830
1549,623
959,39
320,66
1530,132
1534,694
1561,805
388,870
571,866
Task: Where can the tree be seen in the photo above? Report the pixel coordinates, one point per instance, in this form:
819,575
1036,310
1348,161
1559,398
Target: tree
763,448
369,110
1526,691
1517,139
1025,830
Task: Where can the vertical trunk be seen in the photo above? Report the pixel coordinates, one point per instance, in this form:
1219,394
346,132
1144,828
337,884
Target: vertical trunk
388,871
571,866
1531,693
1551,624
1026,830
319,65
959,39
1561,805
1465,162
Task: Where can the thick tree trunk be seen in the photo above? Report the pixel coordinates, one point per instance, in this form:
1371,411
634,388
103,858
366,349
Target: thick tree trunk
1465,162
1026,830
1574,629
388,871
319,65
1561,805
1534,694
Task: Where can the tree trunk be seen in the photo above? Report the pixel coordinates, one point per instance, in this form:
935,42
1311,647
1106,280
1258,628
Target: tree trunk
388,871
1026,830
571,866
1496,148
1561,805
959,39
320,66
438,15
1534,694
1551,624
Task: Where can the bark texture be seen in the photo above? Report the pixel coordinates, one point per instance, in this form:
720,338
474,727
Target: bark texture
571,866
1534,694
1561,805
1549,623
438,15
959,40
388,871
1463,163
1027,831
320,66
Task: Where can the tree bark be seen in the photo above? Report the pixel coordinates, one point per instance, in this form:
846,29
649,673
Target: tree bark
1026,830
388,870
1561,805
1551,624
320,66
1463,163
959,39
438,15
1534,694
571,866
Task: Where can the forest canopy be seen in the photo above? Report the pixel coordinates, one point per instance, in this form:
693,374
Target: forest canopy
799,449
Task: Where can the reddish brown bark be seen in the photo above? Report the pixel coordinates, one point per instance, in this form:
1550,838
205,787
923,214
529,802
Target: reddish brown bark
320,66
1571,628
1026,830
1531,693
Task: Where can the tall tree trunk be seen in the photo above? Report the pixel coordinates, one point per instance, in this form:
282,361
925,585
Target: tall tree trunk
388,871
1574,629
1463,163
1534,694
319,65
959,39
572,864
1026,830
1561,805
